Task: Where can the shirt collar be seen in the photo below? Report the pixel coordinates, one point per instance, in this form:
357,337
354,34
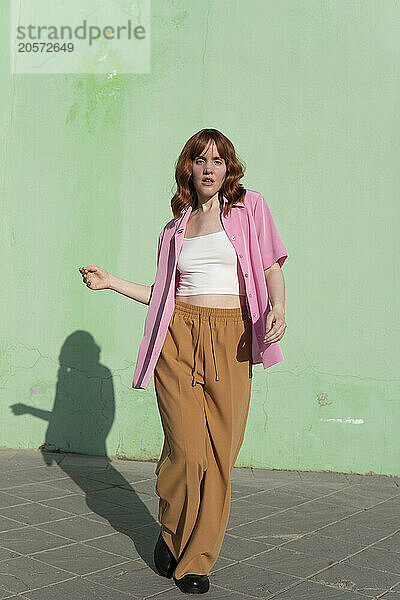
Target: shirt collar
236,203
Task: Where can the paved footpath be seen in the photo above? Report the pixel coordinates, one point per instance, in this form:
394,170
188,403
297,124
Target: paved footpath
79,527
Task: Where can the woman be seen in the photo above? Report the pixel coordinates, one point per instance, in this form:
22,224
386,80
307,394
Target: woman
209,320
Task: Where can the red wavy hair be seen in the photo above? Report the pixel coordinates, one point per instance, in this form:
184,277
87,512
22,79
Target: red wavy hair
186,194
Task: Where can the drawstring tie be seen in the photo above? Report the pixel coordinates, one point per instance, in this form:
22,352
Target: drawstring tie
195,354
213,353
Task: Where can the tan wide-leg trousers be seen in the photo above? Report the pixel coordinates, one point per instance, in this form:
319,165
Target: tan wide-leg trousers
203,385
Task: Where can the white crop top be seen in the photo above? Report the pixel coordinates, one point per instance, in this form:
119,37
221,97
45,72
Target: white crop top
208,264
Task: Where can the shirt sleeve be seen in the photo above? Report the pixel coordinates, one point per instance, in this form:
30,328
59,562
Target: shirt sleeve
271,245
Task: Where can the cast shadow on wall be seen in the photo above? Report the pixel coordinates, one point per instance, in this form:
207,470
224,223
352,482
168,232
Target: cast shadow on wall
82,416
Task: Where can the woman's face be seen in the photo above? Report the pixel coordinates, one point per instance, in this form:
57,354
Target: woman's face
208,166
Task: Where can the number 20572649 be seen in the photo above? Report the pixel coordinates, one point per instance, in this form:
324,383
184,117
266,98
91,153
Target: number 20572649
45,47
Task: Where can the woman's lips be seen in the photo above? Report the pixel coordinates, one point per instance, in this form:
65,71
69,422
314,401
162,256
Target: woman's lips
207,182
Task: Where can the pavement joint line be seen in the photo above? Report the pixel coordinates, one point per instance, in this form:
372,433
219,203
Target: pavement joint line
128,594
310,500
127,560
32,555
299,536
29,590
29,501
278,546
331,493
391,589
70,514
83,577
20,555
218,586
304,579
368,545
292,508
325,585
259,598
42,503
72,543
32,483
348,486
85,544
160,592
324,568
38,525
72,540
307,499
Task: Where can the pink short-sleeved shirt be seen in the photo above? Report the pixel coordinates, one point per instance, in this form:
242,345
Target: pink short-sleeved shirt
253,234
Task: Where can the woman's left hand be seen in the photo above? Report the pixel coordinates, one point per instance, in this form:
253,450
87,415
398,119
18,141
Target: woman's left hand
275,325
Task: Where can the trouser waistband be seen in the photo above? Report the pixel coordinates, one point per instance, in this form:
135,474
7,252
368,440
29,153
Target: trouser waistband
211,311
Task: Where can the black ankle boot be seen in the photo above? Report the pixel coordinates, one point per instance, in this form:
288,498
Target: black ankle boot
193,584
163,558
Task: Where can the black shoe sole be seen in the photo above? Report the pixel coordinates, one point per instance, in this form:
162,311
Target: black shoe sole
187,589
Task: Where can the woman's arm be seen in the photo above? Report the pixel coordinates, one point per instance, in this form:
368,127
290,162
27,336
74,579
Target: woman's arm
276,286
136,291
275,325
97,278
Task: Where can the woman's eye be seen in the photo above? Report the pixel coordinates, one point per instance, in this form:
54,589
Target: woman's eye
199,161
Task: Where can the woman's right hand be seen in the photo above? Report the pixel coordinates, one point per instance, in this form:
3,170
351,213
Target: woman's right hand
96,278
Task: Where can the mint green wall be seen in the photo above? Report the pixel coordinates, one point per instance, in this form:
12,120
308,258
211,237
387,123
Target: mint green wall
308,92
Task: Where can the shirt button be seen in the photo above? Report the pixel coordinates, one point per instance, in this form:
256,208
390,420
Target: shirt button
250,295
233,237
240,255
254,314
246,274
